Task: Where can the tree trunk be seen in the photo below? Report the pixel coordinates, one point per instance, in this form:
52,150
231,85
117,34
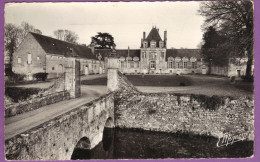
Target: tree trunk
250,61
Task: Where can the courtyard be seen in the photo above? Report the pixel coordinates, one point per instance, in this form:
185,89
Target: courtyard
183,84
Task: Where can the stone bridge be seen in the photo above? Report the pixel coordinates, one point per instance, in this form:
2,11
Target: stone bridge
57,139
80,128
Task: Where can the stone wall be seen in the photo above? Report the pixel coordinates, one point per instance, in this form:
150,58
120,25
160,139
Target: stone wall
182,113
38,63
35,103
57,138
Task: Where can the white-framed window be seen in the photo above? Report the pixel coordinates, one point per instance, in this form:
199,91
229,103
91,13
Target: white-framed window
136,64
144,55
170,65
179,65
38,58
29,58
161,44
153,55
131,64
162,55
152,65
185,64
145,44
19,60
153,44
122,64
193,65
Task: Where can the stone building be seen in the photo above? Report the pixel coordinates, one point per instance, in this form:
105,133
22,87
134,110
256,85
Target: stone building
235,67
41,54
153,57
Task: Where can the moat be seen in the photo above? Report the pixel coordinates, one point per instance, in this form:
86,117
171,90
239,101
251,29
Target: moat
136,144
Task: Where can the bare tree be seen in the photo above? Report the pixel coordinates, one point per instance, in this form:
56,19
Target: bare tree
66,35
234,21
14,35
26,28
11,39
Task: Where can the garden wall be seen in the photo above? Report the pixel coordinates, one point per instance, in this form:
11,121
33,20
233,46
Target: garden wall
181,113
35,103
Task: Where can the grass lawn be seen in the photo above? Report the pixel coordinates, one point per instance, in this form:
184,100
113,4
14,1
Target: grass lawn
148,80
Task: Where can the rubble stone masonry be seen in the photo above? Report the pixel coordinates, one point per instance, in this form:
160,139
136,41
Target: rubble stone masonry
181,113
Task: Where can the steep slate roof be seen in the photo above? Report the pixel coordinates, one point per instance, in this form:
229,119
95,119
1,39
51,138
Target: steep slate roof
132,52
183,53
119,52
55,46
154,35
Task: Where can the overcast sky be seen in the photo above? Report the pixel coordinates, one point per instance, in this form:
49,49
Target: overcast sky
126,21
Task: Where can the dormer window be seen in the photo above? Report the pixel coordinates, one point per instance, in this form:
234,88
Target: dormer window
161,44
153,44
145,44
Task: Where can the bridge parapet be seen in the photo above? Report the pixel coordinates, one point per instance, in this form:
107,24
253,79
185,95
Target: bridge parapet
56,139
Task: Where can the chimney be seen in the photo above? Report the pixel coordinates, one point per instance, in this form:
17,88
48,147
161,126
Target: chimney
144,36
165,38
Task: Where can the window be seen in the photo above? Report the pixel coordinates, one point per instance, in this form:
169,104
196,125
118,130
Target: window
136,64
53,68
193,65
122,64
19,60
153,45
162,55
132,64
161,44
144,55
170,65
145,44
178,65
38,58
185,64
29,58
152,65
153,55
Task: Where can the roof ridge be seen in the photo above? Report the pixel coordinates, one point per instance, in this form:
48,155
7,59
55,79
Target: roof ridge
58,39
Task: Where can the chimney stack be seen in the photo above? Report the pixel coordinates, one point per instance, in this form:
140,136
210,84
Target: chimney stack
144,36
165,38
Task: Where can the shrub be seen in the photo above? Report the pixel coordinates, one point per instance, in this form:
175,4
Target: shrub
233,78
16,77
40,76
18,93
248,78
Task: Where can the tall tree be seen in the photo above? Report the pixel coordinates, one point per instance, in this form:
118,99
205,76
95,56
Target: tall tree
103,41
234,20
210,49
66,35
